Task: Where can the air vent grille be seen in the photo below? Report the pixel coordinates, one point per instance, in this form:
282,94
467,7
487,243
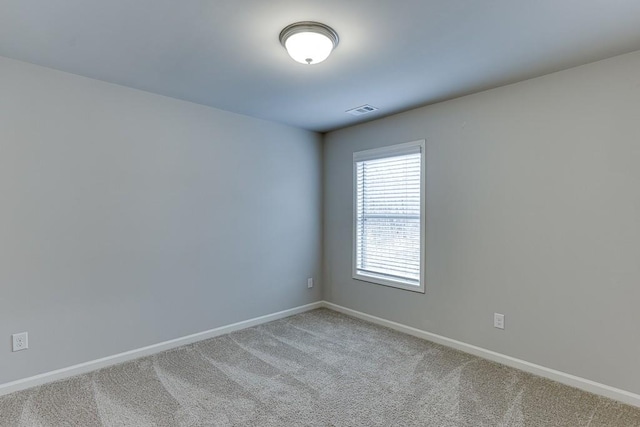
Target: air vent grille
363,109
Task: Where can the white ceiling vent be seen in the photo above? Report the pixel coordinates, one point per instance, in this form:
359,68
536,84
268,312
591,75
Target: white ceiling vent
363,109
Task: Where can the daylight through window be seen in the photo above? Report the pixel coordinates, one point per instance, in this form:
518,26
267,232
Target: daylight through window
388,216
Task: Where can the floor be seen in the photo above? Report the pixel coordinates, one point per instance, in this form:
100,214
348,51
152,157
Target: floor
319,368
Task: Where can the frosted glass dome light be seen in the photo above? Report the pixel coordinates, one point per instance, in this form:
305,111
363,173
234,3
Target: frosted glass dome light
308,42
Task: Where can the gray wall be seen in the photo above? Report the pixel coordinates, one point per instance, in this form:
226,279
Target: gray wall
129,218
533,210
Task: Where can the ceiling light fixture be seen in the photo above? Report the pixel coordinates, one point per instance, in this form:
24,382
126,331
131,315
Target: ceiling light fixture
309,42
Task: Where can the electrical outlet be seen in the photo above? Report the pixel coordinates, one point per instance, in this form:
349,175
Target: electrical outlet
310,282
498,320
20,341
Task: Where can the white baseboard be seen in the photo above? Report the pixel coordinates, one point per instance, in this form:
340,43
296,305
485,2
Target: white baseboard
552,374
92,365
561,377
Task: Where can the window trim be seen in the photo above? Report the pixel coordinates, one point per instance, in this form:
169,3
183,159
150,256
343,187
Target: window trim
378,153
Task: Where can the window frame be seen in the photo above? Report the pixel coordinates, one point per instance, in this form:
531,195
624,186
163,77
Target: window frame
380,153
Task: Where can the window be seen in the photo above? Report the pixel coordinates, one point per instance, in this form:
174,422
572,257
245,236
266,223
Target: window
388,216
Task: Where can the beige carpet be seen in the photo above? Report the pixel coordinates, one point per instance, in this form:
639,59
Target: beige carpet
319,368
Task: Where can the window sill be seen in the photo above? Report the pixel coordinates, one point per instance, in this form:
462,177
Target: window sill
376,280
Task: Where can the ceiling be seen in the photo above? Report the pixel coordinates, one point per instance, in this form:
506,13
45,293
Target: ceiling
393,54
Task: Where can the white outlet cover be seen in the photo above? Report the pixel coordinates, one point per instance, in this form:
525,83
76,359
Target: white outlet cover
310,282
498,320
20,341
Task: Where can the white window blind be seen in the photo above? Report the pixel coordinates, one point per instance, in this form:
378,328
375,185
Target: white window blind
388,216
